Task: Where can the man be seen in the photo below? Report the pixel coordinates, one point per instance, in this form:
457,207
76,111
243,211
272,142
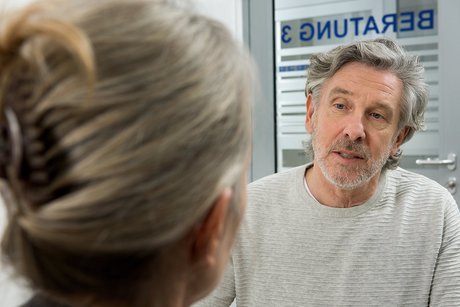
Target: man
351,228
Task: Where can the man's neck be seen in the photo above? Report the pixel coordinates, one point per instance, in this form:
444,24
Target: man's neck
330,195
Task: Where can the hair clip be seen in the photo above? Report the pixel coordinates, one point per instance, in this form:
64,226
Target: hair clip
15,136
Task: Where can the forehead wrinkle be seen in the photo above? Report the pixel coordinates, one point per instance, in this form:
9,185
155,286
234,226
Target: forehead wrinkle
387,83
384,87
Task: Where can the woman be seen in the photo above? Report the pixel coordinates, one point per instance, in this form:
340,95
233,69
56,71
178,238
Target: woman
124,150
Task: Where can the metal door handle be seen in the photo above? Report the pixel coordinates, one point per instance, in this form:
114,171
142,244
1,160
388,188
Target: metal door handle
450,162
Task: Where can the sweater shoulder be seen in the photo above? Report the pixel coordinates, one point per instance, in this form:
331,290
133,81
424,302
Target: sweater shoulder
412,188
407,181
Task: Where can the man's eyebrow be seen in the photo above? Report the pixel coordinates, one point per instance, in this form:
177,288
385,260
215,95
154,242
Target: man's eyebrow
385,107
339,90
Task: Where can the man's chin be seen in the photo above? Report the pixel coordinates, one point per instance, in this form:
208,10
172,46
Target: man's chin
346,181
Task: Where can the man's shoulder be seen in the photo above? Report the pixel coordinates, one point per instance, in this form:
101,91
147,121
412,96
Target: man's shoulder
408,182
406,176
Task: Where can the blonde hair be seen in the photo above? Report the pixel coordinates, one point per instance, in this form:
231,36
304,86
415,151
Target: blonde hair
134,116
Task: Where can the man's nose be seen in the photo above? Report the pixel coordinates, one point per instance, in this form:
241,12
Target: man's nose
354,128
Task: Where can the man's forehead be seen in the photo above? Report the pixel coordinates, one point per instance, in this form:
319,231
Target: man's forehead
355,78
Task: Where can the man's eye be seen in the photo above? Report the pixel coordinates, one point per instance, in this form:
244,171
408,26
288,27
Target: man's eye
376,115
339,106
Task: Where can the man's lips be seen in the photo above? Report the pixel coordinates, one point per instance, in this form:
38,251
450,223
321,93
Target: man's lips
348,154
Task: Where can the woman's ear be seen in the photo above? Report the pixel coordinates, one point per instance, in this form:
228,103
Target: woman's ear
207,237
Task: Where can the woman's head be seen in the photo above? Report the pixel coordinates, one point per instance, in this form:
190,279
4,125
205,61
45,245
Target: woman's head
133,122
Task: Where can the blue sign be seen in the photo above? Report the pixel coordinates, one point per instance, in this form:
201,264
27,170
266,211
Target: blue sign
302,31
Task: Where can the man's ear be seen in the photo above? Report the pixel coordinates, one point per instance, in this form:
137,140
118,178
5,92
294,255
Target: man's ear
399,140
209,234
310,111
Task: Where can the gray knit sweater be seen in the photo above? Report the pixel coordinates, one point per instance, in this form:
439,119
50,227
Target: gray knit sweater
400,248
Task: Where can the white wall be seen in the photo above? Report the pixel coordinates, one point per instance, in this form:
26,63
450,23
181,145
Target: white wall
229,12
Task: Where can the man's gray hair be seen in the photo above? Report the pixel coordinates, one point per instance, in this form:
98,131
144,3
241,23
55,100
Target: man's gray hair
382,54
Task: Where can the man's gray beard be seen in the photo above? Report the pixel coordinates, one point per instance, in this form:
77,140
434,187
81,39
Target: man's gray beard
345,182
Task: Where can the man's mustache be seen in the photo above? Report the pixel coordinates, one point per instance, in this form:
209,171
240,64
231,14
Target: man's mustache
356,147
